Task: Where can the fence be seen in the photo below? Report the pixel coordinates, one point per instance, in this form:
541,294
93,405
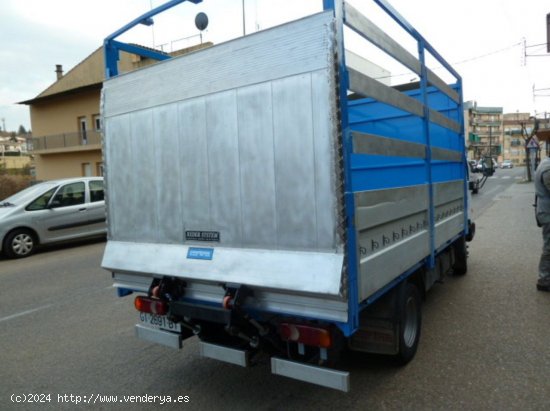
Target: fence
65,140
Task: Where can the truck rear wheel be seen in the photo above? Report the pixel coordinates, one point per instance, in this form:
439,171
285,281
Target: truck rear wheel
409,315
460,266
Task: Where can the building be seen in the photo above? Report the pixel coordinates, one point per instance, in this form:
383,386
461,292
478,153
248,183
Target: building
484,131
515,125
13,152
543,133
65,118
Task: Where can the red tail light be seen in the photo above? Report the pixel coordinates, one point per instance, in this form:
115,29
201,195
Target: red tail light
151,305
305,334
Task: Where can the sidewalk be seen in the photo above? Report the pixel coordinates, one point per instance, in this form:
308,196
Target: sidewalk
506,335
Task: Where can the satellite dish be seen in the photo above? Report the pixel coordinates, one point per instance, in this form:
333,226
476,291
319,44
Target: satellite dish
201,21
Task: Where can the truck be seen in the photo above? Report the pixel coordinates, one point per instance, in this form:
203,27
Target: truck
271,198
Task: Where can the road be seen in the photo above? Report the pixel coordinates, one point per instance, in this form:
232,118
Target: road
484,342
500,181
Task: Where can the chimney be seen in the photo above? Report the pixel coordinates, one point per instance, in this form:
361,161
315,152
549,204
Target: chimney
59,71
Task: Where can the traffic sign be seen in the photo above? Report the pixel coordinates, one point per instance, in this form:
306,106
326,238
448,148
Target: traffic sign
532,143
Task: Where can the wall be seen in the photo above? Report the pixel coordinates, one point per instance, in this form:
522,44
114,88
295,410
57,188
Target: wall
64,165
15,162
60,115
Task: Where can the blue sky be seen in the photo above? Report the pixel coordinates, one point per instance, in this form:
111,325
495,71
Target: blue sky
482,39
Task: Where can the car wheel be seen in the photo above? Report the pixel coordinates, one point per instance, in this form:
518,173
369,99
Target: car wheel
19,243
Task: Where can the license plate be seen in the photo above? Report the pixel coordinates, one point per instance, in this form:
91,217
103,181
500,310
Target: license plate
159,321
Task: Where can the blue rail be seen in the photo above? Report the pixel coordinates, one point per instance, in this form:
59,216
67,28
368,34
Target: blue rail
363,172
112,48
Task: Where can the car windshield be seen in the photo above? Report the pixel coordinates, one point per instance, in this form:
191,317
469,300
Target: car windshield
27,194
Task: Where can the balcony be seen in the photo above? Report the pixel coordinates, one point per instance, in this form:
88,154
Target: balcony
66,142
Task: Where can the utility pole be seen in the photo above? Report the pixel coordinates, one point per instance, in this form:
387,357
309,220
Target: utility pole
491,144
244,21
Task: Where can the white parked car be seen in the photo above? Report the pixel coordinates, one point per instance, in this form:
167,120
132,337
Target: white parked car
507,164
51,212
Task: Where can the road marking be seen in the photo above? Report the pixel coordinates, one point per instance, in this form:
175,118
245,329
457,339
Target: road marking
22,313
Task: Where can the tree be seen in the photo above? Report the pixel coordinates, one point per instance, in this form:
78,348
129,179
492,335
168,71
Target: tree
526,138
21,131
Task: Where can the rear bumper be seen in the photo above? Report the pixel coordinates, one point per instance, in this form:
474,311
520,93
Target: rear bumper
325,377
272,301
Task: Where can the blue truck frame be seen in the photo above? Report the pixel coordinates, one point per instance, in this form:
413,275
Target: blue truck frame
433,110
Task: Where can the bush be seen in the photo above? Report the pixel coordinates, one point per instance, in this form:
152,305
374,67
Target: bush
12,184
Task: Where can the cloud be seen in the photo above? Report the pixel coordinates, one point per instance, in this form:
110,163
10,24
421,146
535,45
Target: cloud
38,34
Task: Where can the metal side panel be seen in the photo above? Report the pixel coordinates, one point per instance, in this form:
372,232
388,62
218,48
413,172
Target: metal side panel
379,268
240,139
298,47
338,380
303,272
449,211
393,234
393,229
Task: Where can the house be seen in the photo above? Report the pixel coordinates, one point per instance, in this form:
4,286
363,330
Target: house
65,118
13,151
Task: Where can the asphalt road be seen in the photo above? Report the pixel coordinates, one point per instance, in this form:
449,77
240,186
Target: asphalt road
500,181
484,343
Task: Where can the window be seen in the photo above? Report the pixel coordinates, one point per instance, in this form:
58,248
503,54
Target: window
83,128
86,170
96,191
41,202
97,122
99,169
69,194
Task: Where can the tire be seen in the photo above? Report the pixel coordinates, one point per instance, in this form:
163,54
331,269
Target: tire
460,266
409,314
19,243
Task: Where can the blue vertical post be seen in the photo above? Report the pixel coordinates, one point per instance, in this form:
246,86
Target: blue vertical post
427,139
328,5
465,167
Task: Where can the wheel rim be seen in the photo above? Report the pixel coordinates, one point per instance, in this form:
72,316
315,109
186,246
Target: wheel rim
410,327
22,244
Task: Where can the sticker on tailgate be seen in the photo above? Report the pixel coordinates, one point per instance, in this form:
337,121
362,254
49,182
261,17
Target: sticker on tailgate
197,253
202,236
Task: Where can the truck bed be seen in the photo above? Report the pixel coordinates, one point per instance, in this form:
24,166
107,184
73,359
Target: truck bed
247,163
